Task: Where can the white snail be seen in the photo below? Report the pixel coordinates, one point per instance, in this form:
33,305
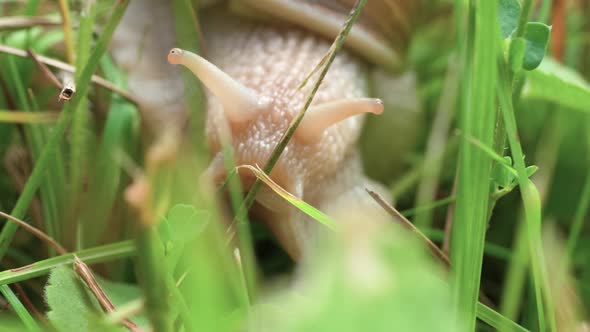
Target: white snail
253,69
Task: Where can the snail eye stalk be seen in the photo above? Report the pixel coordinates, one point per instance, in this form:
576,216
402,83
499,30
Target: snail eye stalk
240,103
320,117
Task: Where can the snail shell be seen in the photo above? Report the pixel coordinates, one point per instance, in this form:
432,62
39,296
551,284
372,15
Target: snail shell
252,73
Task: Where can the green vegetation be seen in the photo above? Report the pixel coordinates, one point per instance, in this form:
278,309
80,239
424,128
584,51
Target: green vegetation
494,172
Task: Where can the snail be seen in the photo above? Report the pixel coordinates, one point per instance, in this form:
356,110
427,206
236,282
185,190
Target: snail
258,52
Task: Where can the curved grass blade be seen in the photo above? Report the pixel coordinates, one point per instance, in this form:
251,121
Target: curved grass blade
298,203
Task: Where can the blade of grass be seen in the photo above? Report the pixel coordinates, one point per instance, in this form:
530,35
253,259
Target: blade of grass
19,309
578,220
64,119
298,203
151,261
80,129
491,249
27,118
64,10
119,134
186,28
53,190
409,180
529,229
477,118
434,204
546,158
188,36
496,320
532,205
94,255
50,187
435,146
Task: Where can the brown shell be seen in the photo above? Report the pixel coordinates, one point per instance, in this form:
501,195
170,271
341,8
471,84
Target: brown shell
381,36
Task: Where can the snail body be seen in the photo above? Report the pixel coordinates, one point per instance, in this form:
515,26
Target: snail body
252,72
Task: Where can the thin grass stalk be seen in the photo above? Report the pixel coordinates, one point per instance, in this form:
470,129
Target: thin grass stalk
26,117
546,155
247,272
579,218
101,254
80,131
35,136
64,10
119,133
52,144
188,36
435,147
55,184
532,206
19,309
574,56
508,89
408,181
32,7
151,263
243,230
433,205
496,320
183,309
514,283
478,112
545,11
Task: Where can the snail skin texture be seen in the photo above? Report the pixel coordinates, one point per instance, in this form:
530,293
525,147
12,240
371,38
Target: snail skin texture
251,73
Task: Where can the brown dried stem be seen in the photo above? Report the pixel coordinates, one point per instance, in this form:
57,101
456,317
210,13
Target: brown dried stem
48,74
408,225
80,267
20,22
71,69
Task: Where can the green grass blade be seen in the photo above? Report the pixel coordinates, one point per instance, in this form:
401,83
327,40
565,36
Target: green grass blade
436,145
298,203
67,29
516,275
80,129
187,31
578,221
94,255
532,207
20,309
478,111
120,133
154,275
496,320
26,117
52,144
35,137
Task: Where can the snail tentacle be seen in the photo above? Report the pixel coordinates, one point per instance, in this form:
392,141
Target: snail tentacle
321,117
240,103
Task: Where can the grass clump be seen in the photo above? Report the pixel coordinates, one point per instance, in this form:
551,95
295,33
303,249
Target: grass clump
497,179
